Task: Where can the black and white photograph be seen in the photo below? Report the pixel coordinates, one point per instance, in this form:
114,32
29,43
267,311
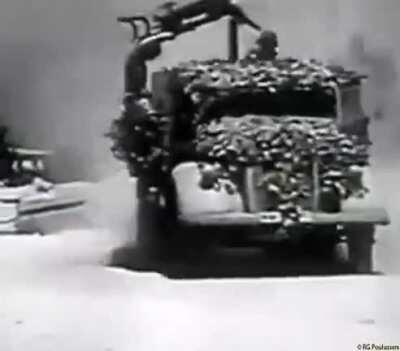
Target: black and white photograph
199,175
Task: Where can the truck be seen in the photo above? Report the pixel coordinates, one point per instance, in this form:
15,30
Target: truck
263,149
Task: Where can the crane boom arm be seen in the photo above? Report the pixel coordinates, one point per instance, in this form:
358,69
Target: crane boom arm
165,24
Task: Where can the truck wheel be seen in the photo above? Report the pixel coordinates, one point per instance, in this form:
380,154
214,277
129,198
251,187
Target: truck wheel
192,244
321,242
148,228
360,246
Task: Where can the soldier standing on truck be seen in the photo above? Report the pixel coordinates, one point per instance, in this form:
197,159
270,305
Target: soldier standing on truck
266,47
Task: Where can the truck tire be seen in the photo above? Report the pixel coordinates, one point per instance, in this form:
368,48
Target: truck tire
320,242
360,246
148,228
192,244
152,231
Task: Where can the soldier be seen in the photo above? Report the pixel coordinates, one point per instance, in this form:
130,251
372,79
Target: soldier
266,47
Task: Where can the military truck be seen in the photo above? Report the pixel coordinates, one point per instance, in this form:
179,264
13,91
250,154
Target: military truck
271,150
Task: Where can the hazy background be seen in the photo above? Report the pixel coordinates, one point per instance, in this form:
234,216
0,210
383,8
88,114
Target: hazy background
61,65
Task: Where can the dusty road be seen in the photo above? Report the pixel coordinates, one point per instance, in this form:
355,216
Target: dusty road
57,294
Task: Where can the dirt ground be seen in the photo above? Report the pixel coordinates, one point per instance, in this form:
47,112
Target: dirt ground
57,295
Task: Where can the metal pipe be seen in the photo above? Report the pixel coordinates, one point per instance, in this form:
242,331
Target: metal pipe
233,45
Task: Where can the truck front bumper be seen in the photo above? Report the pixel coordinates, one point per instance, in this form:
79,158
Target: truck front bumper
377,216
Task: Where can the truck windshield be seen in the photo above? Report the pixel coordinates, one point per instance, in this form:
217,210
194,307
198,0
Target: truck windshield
298,103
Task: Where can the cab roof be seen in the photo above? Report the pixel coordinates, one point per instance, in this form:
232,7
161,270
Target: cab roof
272,76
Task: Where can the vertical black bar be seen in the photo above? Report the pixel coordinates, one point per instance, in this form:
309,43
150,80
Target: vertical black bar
316,184
233,46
